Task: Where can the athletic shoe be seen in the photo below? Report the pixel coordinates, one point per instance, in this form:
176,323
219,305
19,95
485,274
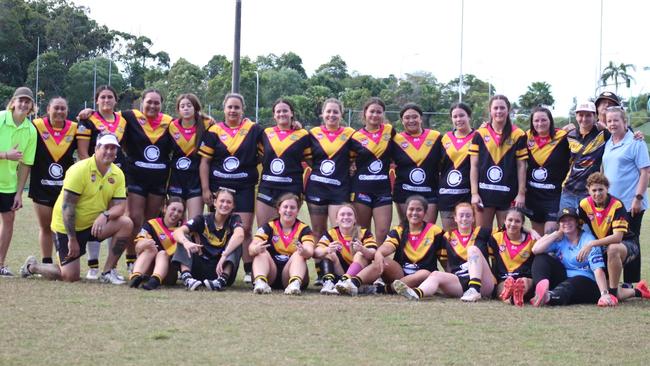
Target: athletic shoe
152,284
5,272
135,281
471,295
642,286
261,287
214,285
518,291
402,289
24,270
318,282
347,288
293,288
508,284
611,301
191,284
328,288
367,290
541,294
248,278
92,274
111,277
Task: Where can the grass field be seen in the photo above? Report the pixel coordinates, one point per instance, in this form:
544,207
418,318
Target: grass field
87,323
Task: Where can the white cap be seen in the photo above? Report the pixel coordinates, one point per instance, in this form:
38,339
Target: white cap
586,106
107,139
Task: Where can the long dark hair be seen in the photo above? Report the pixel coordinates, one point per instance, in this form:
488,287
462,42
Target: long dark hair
551,127
405,223
507,129
198,116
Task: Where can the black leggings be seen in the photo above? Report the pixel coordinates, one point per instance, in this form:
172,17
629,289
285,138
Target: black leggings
564,291
632,271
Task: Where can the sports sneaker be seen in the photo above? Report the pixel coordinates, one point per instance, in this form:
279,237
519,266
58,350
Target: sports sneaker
152,284
248,278
367,290
5,272
214,285
508,284
293,288
541,294
92,274
642,286
135,281
347,288
328,288
401,289
24,270
610,300
261,287
111,277
192,284
471,295
518,290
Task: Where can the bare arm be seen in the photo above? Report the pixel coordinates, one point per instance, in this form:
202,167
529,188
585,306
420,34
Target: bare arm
23,173
204,174
545,241
520,200
641,186
473,180
82,148
235,241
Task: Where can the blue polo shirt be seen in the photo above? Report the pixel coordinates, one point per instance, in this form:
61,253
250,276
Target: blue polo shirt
621,164
566,252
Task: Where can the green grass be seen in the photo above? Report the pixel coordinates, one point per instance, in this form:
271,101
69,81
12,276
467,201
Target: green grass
87,323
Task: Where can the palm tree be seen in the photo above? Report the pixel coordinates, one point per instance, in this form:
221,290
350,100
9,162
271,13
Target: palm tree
615,73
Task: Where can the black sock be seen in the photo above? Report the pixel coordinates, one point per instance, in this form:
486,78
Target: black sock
613,291
130,258
185,275
637,293
47,260
92,263
328,277
475,283
222,281
356,281
248,267
153,283
419,292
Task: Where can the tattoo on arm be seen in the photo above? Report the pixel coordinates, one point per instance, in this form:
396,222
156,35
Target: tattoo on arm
119,246
69,212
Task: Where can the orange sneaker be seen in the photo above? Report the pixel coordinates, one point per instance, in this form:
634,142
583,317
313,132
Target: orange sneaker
541,294
518,291
611,300
506,294
642,286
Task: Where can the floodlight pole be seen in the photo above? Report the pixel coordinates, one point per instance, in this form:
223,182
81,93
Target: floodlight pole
235,59
460,84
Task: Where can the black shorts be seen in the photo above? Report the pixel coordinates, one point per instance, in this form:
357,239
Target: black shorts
277,283
400,195
144,182
327,198
270,196
44,195
204,267
6,201
542,210
372,200
61,243
633,250
184,184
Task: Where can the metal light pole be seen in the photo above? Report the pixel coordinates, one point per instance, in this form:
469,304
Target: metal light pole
235,59
38,57
460,85
257,96
600,51
94,84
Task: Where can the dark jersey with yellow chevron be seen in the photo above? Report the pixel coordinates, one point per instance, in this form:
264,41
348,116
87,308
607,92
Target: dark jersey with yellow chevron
605,221
147,144
497,164
454,185
185,157
456,245
548,164
213,239
96,124
282,245
54,152
511,258
418,250
331,160
586,158
345,254
417,160
155,229
234,154
282,155
373,154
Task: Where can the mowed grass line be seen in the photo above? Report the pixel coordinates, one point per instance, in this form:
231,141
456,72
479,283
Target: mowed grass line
87,323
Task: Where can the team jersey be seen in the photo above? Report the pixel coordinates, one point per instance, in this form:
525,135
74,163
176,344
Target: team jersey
96,124
605,221
586,158
417,160
214,239
54,149
497,164
282,155
372,152
345,254
511,258
282,245
548,164
155,229
454,184
456,245
417,250
233,152
147,143
331,160
567,253
184,153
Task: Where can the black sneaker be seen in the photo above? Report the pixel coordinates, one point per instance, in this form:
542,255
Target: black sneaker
152,284
215,285
135,281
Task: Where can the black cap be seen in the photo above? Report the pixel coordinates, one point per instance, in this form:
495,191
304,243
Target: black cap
609,96
568,211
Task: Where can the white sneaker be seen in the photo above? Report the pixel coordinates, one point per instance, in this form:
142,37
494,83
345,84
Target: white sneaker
129,268
92,274
367,290
328,288
111,277
248,278
347,288
401,289
5,272
471,295
24,270
261,287
192,284
293,288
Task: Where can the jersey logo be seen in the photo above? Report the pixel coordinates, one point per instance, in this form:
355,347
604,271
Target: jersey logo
280,141
498,152
156,128
331,142
375,142
457,148
417,148
56,142
232,138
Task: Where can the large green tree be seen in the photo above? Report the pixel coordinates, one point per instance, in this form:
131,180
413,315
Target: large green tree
618,74
80,78
537,94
